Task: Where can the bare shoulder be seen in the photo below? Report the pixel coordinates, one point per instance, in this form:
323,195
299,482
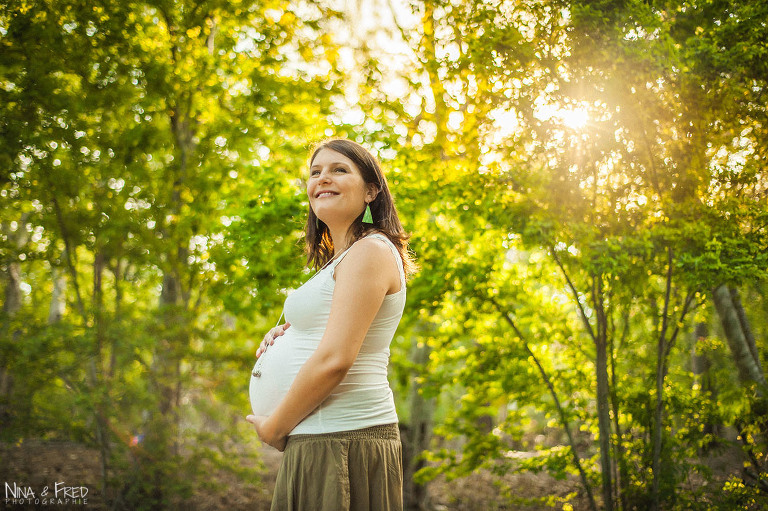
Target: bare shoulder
370,253
373,259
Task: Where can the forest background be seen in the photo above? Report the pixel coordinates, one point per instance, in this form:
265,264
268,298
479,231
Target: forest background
585,183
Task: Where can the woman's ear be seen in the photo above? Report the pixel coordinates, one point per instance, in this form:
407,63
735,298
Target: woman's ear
372,193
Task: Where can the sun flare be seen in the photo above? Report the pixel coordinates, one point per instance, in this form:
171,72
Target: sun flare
574,119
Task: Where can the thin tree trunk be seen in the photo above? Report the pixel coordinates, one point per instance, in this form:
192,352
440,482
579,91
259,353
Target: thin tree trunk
659,409
12,301
601,373
622,478
417,437
701,365
118,317
11,307
70,258
57,305
98,382
603,391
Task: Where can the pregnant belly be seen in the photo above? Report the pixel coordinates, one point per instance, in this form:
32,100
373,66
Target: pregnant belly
278,367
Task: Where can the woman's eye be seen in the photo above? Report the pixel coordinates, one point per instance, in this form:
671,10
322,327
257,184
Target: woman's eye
340,169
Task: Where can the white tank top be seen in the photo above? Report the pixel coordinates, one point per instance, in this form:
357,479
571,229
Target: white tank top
363,398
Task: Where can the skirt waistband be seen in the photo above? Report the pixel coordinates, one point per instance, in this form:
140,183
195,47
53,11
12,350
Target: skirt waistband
382,432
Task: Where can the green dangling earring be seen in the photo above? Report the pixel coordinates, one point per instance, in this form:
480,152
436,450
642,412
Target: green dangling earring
367,217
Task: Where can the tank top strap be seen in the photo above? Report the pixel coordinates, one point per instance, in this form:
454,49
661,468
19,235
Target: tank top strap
333,264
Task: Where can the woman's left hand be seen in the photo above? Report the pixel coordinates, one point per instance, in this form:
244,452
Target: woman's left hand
266,434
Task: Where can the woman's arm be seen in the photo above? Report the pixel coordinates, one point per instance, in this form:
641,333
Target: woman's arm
363,281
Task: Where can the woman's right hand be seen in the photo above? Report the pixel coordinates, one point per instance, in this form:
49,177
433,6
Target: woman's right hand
269,339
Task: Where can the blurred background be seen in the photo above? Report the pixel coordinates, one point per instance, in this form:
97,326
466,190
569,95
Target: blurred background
586,187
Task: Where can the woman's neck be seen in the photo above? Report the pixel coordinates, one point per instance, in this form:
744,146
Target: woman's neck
340,239
341,247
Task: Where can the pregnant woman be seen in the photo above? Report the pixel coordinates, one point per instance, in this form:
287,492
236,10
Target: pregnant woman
320,391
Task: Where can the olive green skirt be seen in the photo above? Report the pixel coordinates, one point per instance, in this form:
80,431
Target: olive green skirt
358,470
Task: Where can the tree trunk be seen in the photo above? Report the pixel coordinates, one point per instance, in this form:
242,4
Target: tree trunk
749,337
12,302
739,337
661,372
604,418
603,391
11,305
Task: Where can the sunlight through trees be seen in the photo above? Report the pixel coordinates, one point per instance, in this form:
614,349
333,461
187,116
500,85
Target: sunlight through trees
586,188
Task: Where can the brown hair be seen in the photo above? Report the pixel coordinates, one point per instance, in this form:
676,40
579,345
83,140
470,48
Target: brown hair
319,244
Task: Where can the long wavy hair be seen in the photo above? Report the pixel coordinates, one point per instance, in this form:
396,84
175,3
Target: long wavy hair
319,244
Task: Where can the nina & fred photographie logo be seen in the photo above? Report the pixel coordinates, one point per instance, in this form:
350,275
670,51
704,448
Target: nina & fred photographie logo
58,493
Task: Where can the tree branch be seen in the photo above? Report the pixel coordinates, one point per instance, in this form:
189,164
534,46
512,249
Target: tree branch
584,317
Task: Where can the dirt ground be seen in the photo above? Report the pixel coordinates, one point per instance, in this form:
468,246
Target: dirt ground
33,465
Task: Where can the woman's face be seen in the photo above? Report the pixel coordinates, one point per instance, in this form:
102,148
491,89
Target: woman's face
336,188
